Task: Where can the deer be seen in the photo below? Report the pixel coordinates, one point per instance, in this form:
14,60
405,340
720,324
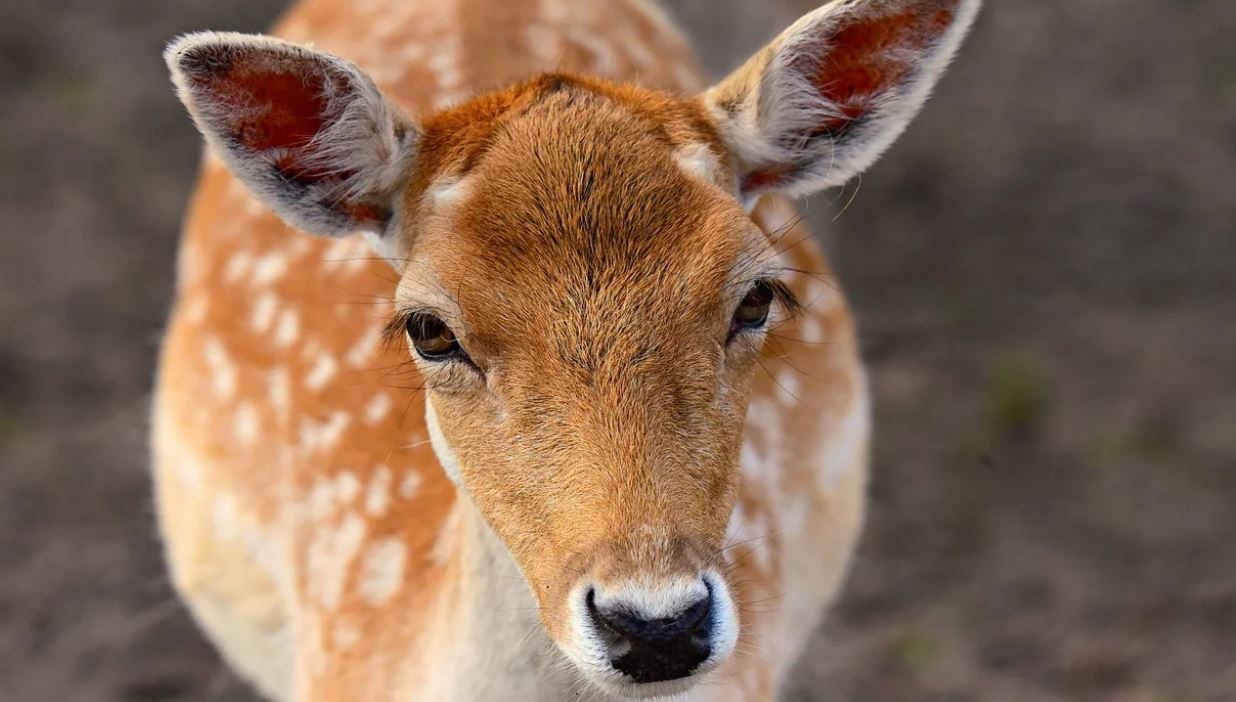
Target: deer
501,365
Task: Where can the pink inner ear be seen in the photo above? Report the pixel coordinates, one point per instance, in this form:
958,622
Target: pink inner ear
764,178
864,58
275,107
868,57
275,104
279,108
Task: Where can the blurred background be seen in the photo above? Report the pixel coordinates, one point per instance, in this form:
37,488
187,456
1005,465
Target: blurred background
1044,271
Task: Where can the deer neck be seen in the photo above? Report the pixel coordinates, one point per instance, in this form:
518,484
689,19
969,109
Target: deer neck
488,622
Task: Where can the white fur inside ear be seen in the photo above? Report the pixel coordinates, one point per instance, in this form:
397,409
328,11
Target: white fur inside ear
773,114
345,176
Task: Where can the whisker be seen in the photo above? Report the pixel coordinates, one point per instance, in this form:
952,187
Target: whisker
857,188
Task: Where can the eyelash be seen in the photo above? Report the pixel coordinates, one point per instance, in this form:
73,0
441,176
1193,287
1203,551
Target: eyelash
781,295
393,332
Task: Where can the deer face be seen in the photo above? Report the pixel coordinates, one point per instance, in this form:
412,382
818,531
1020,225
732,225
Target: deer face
586,303
582,289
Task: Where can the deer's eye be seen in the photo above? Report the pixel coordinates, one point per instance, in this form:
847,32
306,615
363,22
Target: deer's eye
752,312
432,339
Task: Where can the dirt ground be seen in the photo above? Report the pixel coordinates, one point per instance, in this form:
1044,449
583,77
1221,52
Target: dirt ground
1045,274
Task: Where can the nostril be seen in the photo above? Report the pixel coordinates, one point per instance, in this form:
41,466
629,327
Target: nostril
696,614
654,649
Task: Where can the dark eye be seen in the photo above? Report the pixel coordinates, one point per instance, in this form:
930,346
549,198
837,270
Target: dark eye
752,312
432,339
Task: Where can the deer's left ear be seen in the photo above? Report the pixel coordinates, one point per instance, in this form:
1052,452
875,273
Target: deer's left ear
828,96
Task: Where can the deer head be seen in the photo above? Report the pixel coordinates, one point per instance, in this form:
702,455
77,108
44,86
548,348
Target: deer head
582,288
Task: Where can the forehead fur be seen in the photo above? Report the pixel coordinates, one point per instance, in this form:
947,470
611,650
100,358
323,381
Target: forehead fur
576,200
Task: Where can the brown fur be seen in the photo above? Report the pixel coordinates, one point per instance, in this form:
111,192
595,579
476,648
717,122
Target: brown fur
603,369
591,278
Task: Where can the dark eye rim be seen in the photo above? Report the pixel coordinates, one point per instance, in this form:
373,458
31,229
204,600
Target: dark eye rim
768,291
415,325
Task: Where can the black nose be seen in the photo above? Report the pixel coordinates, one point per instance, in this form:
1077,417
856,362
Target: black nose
653,650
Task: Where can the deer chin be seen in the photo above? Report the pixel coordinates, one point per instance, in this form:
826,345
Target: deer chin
602,655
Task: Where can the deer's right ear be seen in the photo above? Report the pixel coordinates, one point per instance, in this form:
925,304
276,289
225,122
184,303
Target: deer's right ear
308,133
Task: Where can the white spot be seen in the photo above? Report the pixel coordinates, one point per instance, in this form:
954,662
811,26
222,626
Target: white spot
246,425
378,496
812,330
543,43
763,419
346,635
253,207
846,439
750,460
443,61
317,435
412,52
352,253
450,77
280,390
288,328
444,193
789,388
378,407
554,11
299,245
196,309
410,485
363,350
237,266
449,98
820,296
223,373
269,268
226,520
323,370
381,571
322,500
761,412
698,161
445,65
330,556
264,312
760,548
347,487
604,59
